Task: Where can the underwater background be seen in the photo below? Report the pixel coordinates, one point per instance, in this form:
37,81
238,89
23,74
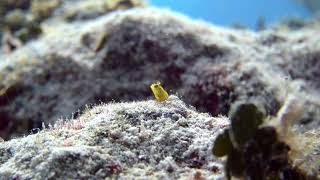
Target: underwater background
230,12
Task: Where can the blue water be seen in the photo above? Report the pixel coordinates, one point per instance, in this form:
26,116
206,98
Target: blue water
228,12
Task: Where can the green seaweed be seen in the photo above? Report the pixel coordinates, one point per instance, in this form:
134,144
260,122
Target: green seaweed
245,120
254,151
222,145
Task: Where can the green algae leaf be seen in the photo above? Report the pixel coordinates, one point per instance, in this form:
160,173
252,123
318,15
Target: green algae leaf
234,165
222,144
245,120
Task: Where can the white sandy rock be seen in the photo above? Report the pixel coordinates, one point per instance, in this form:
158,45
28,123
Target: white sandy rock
142,140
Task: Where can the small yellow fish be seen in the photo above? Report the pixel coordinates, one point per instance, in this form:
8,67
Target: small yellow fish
159,93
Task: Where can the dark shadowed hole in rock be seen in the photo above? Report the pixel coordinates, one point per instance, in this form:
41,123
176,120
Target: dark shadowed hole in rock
34,127
11,93
4,120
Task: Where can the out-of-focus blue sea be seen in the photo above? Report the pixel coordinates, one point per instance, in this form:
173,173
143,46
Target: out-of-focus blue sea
229,12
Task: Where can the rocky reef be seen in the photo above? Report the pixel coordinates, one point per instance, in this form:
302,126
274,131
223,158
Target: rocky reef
145,139
92,55
24,20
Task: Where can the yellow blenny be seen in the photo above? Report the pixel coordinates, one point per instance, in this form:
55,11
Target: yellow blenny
159,93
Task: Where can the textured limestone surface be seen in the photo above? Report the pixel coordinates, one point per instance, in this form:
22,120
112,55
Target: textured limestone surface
118,55
140,140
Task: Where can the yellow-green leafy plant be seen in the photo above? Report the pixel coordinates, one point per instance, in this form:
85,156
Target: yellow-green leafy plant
158,91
